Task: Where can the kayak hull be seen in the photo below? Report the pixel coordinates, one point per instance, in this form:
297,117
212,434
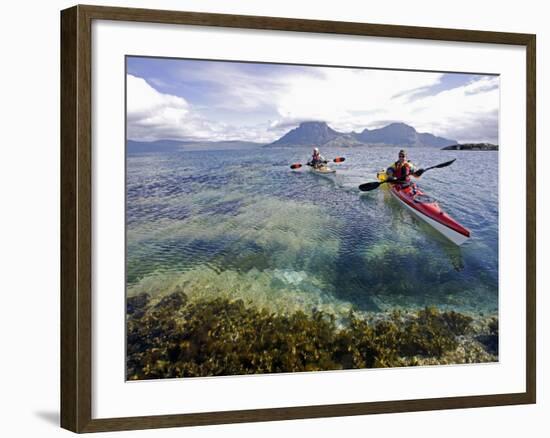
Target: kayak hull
323,171
430,212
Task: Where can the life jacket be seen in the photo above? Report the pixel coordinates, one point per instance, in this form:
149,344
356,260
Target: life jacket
402,170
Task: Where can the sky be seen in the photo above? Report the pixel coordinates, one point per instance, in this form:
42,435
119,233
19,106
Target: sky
181,99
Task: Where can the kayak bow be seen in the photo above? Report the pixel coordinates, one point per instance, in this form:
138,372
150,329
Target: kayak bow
323,170
430,212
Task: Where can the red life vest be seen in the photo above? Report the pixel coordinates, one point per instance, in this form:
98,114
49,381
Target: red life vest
402,170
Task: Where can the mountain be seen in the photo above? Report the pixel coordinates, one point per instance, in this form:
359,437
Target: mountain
431,140
395,134
401,134
344,140
308,133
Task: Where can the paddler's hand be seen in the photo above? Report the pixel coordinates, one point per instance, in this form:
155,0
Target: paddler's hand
418,173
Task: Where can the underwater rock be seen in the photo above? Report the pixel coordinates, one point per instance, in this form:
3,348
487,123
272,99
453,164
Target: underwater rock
137,303
173,301
490,342
490,339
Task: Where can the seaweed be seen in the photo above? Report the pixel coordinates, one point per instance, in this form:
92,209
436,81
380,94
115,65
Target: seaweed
490,340
176,337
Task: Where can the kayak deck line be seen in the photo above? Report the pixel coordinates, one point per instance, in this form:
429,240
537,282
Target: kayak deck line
431,213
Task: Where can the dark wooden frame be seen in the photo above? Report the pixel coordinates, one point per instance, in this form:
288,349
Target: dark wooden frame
76,218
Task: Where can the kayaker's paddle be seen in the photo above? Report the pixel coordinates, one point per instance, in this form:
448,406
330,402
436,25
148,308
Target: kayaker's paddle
367,187
419,172
336,160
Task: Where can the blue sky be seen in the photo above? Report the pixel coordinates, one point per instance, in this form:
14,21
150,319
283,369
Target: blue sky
216,100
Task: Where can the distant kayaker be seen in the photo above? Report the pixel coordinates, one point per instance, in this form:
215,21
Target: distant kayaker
317,160
401,170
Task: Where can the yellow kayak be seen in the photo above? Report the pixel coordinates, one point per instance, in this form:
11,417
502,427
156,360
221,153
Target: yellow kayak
382,175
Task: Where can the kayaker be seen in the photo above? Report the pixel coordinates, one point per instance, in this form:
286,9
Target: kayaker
401,170
317,160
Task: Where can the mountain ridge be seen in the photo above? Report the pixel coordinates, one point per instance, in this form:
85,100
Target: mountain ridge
309,133
395,134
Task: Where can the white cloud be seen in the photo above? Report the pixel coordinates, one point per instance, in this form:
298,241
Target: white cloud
237,88
464,113
347,99
355,99
146,104
152,115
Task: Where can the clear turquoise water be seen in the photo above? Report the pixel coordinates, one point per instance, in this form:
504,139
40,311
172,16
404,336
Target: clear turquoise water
242,224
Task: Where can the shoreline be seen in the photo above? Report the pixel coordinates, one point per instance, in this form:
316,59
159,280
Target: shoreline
173,336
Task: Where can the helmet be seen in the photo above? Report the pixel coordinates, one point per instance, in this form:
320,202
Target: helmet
316,150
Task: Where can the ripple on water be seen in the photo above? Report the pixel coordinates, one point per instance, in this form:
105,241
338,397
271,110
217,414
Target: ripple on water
210,219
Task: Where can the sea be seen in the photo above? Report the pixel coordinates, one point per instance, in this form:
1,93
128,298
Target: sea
241,224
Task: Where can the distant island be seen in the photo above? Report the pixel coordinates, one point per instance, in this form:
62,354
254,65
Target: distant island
472,147
133,146
394,134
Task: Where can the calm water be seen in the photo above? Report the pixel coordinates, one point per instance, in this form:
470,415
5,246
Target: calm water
242,224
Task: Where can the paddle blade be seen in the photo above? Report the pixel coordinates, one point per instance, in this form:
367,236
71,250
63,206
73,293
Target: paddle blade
295,166
448,163
339,159
367,187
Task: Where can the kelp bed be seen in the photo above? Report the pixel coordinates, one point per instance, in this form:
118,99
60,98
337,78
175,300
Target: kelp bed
175,337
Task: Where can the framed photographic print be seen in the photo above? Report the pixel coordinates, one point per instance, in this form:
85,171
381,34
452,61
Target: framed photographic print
268,218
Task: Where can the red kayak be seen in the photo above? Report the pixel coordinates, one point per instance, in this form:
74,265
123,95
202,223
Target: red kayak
429,211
